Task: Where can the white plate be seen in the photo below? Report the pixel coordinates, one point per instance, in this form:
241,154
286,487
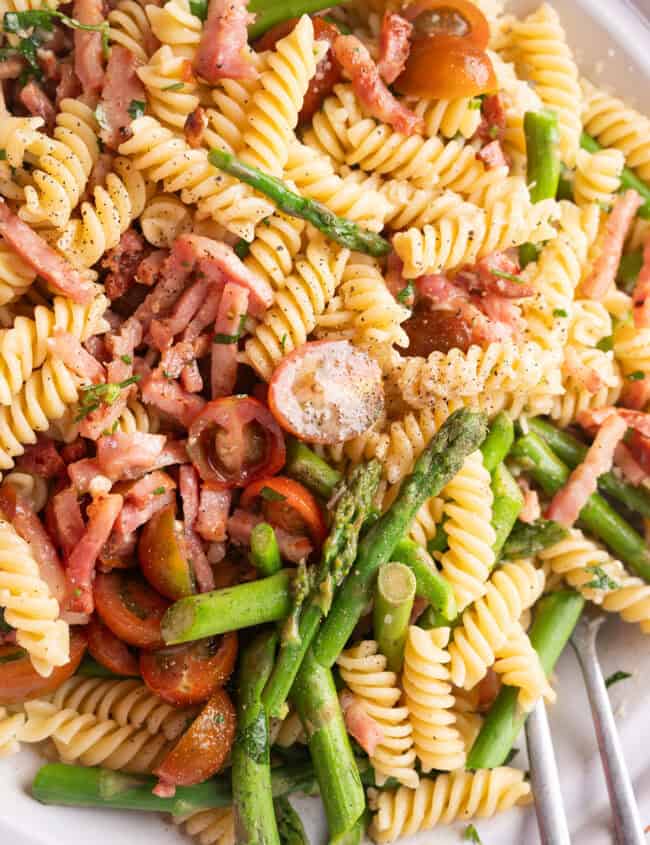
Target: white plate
612,43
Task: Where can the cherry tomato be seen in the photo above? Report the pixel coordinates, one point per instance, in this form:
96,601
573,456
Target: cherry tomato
110,651
435,330
458,18
201,751
163,559
445,67
326,392
19,681
189,674
286,504
235,440
328,72
130,608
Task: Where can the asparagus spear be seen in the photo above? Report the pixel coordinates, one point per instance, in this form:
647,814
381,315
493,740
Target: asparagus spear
570,450
251,765
529,540
339,229
79,786
394,595
506,507
499,440
310,469
265,554
542,154
207,614
314,695
460,435
556,617
429,583
628,178
270,12
339,552
597,515
289,825
628,270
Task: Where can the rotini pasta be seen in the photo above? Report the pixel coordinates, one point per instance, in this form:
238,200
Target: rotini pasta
210,827
163,219
517,663
172,90
174,24
598,176
130,27
10,726
328,133
276,244
33,488
16,276
449,118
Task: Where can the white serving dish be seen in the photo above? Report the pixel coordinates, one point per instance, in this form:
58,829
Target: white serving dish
612,43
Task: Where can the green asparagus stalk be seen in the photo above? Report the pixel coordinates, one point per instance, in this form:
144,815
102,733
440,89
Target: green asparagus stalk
251,764
542,154
289,825
356,834
339,551
556,617
570,450
79,786
460,435
229,609
529,540
339,229
506,507
597,515
628,270
265,553
314,695
440,541
429,583
311,470
394,596
629,179
498,442
268,13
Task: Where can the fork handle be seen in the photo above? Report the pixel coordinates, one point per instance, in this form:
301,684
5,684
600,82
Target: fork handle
627,823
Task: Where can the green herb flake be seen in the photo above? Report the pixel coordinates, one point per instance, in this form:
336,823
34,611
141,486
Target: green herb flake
136,109
159,491
127,359
606,344
176,86
493,132
509,276
283,341
560,312
3,155
475,104
271,495
94,395
601,580
227,339
242,248
637,375
470,834
406,293
199,8
616,677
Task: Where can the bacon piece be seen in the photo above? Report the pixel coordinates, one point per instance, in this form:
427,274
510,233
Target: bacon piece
172,278
359,724
603,275
175,359
88,51
38,103
82,472
195,125
588,377
205,316
212,517
150,268
487,278
188,484
232,312
567,503
43,259
191,379
628,465
121,455
66,519
151,494
493,120
169,397
200,565
636,394
493,156
122,86
639,447
395,281
68,348
102,514
369,88
223,51
41,458
141,492
74,451
48,63
122,263
531,510
394,46
293,548
163,331
69,85
641,294
118,552
11,67
592,419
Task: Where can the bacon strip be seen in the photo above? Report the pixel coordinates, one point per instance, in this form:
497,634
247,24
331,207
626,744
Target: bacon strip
169,397
188,484
38,103
223,52
122,86
493,156
123,260
603,275
68,348
394,46
66,520
227,328
200,564
42,258
88,52
142,502
359,724
292,548
591,420
212,517
567,503
369,88
641,294
120,455
632,470
163,331
41,458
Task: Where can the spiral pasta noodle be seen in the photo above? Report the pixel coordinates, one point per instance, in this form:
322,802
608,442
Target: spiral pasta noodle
130,27
163,219
172,90
363,669
275,246
232,99
175,25
579,394
411,206
427,521
442,800
10,726
16,276
598,176
29,606
137,417
485,625
328,133
429,700
517,663
33,488
210,827
632,348
590,323
449,118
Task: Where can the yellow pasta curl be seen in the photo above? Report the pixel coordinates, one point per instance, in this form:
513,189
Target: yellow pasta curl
598,176
517,663
130,27
163,219
210,827
172,92
10,726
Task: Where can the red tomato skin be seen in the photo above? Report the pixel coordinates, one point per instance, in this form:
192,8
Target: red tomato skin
478,28
109,650
113,592
444,67
296,496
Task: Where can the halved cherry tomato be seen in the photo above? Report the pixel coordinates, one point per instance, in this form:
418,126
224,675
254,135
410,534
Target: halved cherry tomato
328,72
189,674
326,392
286,504
458,18
110,651
235,440
201,751
446,67
19,681
163,558
130,608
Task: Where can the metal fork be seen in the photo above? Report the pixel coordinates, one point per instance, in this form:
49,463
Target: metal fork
549,807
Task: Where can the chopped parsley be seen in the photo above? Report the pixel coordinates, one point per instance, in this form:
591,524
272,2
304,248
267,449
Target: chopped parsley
271,495
176,86
475,103
283,341
616,677
406,293
527,254
95,395
493,132
3,155
199,8
560,312
231,338
127,359
501,274
470,834
218,719
159,491
606,344
601,580
242,248
637,375
43,19
136,109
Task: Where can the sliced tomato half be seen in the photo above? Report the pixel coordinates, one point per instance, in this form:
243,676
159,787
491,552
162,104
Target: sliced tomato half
286,504
460,19
130,608
109,650
163,557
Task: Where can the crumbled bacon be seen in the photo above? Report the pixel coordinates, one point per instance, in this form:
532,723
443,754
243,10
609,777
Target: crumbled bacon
88,51
636,394
369,88
195,125
41,458
205,316
150,268
122,86
68,348
493,156
69,86
359,724
122,263
66,520
641,295
162,332
191,379
38,103
122,455
493,119
223,51
292,548
169,397
394,46
489,275
212,517
151,494
232,311
74,451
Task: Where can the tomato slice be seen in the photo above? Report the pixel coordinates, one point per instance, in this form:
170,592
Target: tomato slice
163,560
235,440
110,651
461,19
19,681
130,608
189,674
446,67
326,391
286,504
201,751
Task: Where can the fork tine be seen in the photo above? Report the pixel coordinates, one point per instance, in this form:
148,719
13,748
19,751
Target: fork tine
627,823
549,807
